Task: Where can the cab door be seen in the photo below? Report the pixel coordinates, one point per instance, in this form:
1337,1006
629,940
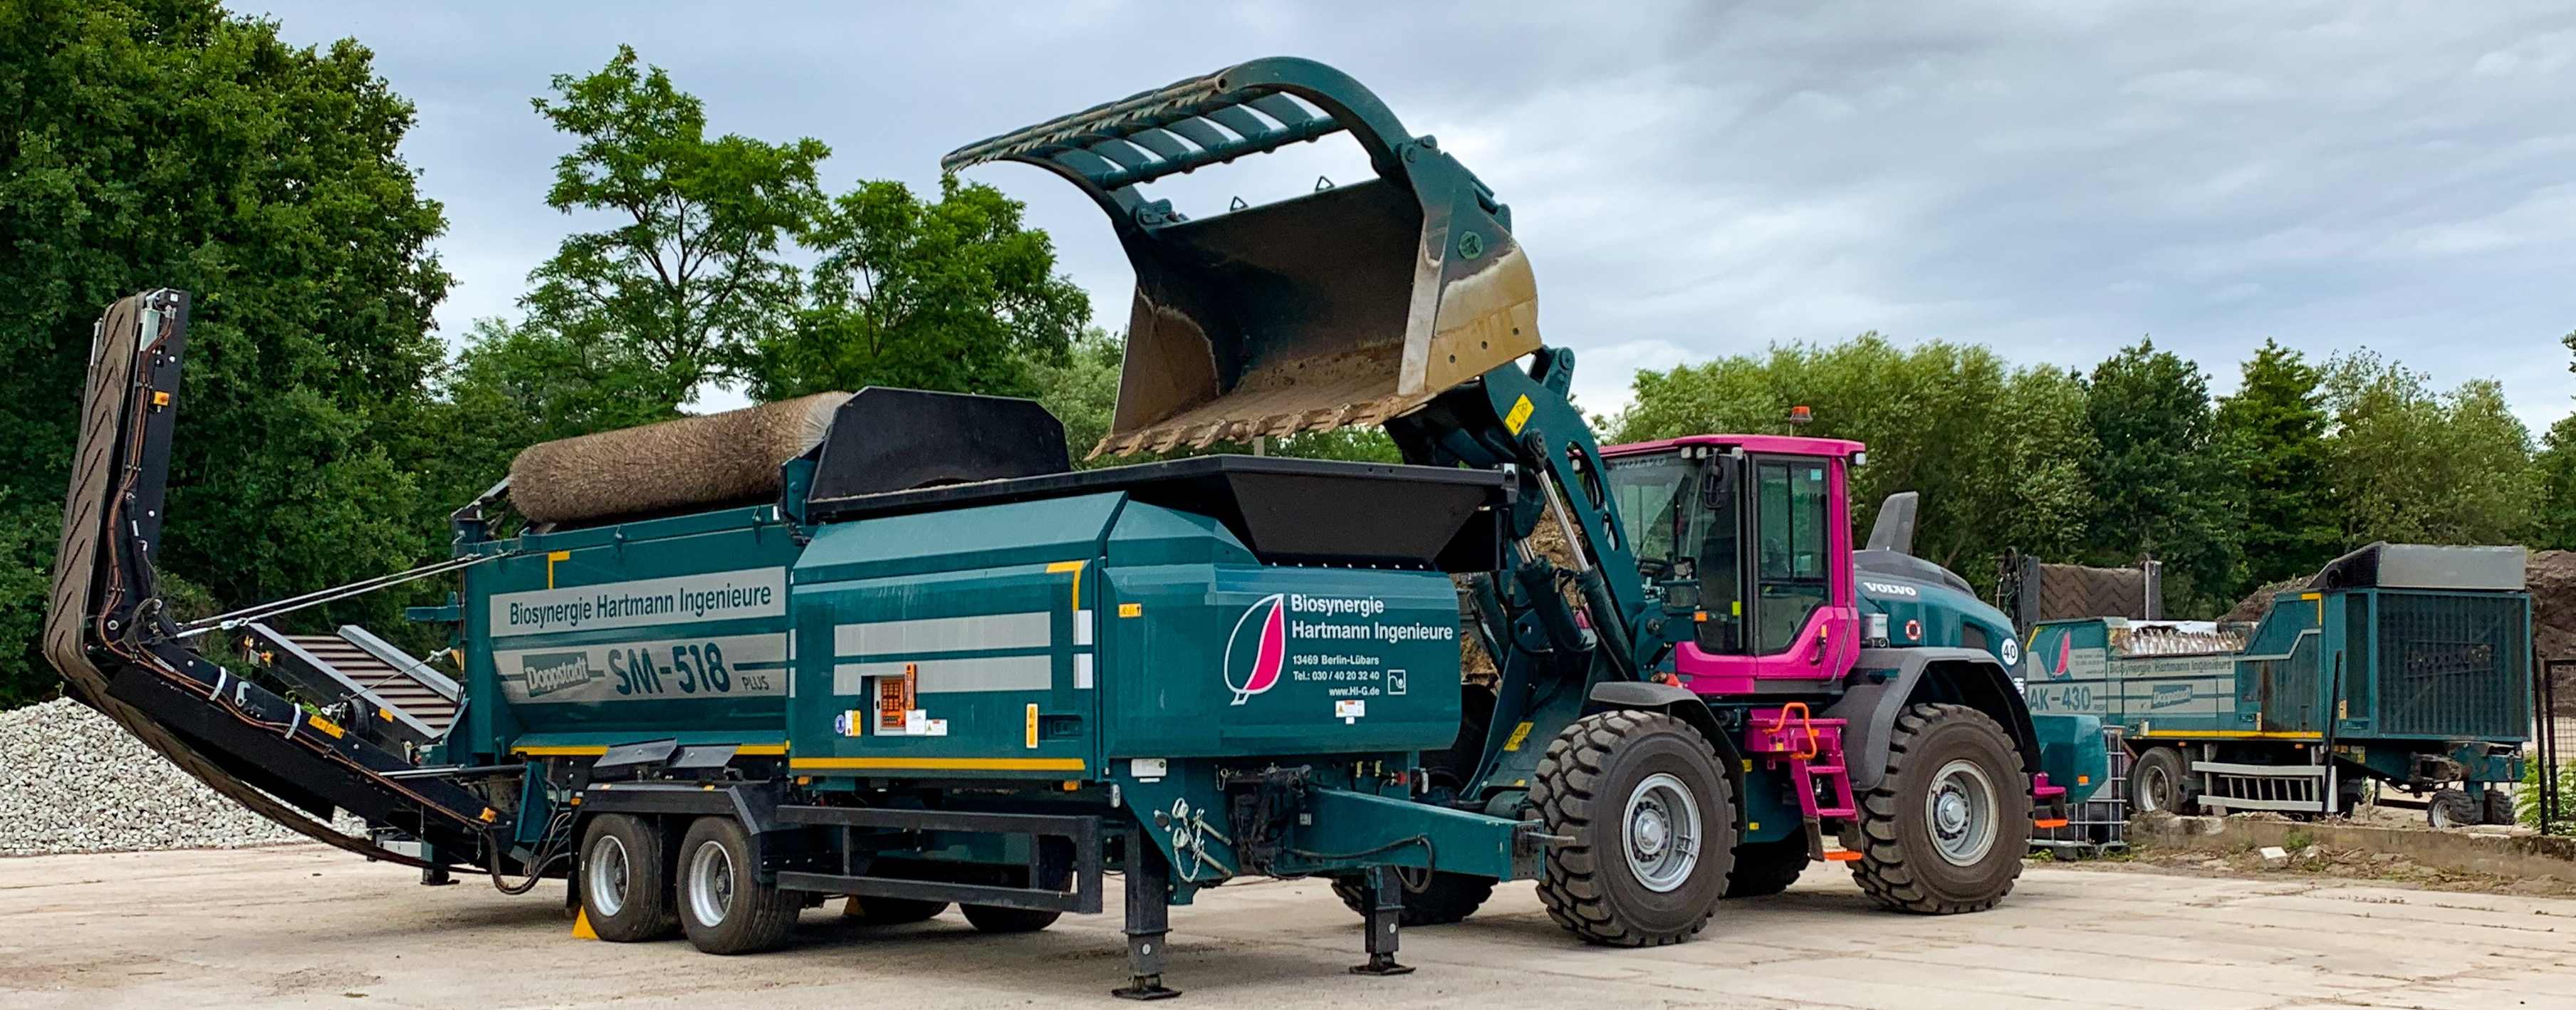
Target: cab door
1802,620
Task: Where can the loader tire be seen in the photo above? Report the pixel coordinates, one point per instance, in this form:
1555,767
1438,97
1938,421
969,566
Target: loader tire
1444,899
1763,869
997,919
1946,828
724,907
1649,822
626,880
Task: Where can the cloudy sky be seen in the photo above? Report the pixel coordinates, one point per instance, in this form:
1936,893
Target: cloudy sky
2053,180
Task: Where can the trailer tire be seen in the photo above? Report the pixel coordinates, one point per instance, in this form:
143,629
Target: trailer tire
1763,869
1946,765
1651,821
998,919
891,911
2499,805
1444,899
724,907
2452,808
2159,782
626,880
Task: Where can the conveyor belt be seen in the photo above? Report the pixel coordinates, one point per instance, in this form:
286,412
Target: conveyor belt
105,630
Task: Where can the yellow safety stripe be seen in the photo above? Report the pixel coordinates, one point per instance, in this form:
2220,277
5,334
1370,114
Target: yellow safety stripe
1058,567
2232,734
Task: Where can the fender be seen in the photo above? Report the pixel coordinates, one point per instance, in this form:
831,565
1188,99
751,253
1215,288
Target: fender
1885,681
755,804
1680,703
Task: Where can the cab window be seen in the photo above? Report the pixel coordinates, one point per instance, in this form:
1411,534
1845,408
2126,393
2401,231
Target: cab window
1654,497
1791,577
1681,515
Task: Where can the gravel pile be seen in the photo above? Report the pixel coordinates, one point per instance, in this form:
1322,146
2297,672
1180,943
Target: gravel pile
72,781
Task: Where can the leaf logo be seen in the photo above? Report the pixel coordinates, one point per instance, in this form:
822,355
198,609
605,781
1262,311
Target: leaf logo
1258,649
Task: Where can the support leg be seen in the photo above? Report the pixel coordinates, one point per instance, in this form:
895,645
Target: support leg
1149,920
433,876
1386,906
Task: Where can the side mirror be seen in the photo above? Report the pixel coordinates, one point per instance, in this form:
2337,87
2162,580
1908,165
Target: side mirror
1716,484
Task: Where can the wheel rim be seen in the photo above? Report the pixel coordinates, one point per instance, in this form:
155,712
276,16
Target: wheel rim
711,883
1662,832
2153,783
606,881
1960,809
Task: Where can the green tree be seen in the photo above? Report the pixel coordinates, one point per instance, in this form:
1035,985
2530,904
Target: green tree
624,325
2412,465
693,273
1991,449
170,144
1082,390
2554,477
954,294
2274,432
512,386
2159,478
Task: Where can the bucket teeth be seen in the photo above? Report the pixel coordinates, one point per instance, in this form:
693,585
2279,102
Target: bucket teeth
1196,434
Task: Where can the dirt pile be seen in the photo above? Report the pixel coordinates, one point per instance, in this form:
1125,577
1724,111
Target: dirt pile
2552,580
2256,606
2317,860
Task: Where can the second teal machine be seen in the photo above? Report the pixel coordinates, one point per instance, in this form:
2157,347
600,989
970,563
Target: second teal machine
2408,664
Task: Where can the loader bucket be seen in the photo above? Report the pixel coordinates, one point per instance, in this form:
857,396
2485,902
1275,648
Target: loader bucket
1349,305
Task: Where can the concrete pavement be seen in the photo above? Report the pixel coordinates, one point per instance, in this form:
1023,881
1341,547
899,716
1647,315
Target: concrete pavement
307,926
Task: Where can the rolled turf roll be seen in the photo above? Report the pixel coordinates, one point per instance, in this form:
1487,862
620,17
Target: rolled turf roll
709,460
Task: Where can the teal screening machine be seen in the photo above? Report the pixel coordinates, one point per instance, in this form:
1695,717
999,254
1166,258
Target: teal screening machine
2406,664
891,648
